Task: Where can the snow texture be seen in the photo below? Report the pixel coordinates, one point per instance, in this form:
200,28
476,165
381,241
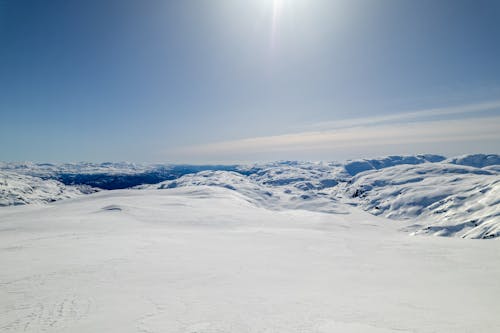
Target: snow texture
18,189
443,197
199,257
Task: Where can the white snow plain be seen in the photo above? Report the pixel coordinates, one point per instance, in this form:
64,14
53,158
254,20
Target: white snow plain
210,259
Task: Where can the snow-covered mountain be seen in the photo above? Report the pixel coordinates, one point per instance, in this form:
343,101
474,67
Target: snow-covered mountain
357,166
439,197
289,193
51,169
476,160
108,176
447,197
19,189
443,199
283,247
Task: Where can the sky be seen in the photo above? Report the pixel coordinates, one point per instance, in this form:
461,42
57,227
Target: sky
225,81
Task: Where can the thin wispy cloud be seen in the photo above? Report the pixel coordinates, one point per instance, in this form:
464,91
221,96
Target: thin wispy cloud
400,129
456,110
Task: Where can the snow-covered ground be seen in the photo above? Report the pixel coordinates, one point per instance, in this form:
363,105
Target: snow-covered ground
458,196
441,199
19,189
197,258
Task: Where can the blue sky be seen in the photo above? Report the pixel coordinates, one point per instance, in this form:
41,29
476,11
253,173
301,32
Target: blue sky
236,81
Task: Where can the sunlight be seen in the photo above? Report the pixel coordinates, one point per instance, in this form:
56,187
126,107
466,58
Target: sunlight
277,12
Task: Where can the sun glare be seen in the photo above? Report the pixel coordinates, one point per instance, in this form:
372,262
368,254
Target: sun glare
277,12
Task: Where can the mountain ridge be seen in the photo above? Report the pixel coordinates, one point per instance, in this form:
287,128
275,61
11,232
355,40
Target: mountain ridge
457,196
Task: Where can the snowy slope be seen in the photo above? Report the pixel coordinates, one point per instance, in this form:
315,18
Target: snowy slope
206,259
439,198
225,179
453,197
443,199
300,175
357,166
476,160
17,189
287,195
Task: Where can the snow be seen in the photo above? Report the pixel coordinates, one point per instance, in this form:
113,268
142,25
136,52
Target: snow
289,194
107,176
476,160
441,199
51,169
199,258
358,166
18,189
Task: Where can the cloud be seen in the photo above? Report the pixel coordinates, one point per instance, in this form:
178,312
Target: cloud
401,129
412,115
